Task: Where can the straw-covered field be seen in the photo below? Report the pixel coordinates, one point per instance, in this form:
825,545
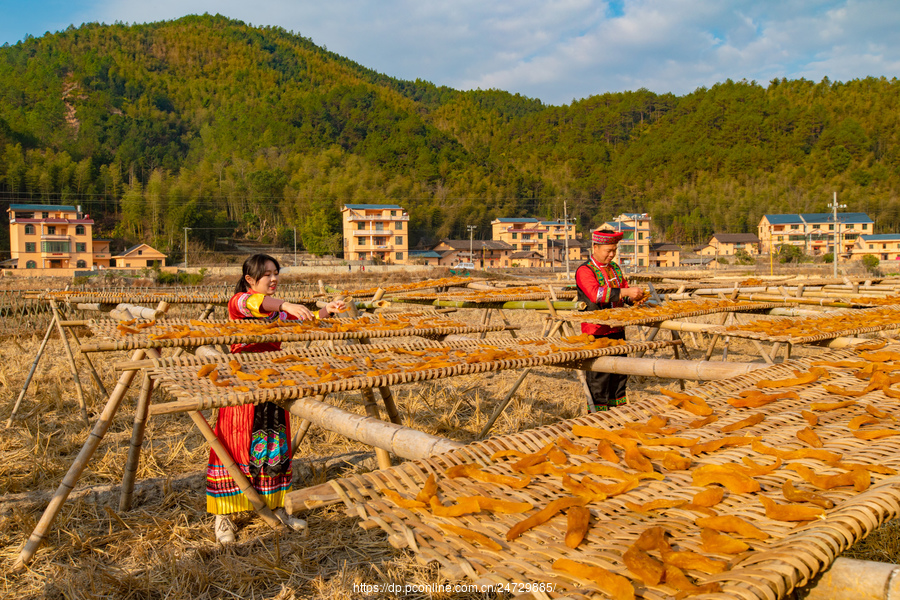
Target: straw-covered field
165,547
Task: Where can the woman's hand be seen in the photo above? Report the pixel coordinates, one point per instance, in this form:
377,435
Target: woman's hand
297,310
633,293
336,307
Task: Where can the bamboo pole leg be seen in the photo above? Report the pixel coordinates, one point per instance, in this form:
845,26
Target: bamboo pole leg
383,456
137,440
485,320
34,365
654,331
503,404
68,483
762,352
675,351
87,358
712,347
787,351
242,482
506,322
79,391
300,433
390,407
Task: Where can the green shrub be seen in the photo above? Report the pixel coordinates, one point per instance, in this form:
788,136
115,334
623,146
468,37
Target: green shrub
870,262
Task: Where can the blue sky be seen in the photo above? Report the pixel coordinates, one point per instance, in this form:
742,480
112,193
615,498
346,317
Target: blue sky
555,50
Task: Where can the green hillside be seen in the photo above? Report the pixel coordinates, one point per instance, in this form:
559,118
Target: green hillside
206,122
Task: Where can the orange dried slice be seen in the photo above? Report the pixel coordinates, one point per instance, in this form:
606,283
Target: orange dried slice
748,422
473,471
542,516
790,512
472,536
758,400
205,370
645,567
571,447
613,489
877,412
734,482
704,421
792,494
614,586
660,504
876,434
672,461
679,442
401,501
721,543
465,506
607,452
725,442
708,497
693,404
732,524
676,578
800,378
612,472
691,560
811,418
636,460
810,437
577,523
859,479
816,453
429,489
828,406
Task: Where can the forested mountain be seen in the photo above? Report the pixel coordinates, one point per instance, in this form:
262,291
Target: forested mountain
209,123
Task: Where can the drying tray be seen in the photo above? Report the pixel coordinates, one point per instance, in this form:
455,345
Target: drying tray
138,297
250,331
444,282
837,323
678,309
363,366
512,294
791,557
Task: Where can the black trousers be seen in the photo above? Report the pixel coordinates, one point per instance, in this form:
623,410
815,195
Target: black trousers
607,389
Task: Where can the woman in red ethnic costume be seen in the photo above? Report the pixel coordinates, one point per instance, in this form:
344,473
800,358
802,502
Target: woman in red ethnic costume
257,437
601,285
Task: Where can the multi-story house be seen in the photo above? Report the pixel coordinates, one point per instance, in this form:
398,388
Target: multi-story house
884,246
54,237
634,249
527,234
727,244
665,255
484,254
814,233
376,231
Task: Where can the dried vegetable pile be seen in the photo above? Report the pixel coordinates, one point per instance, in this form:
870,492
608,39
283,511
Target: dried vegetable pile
180,332
138,296
253,378
748,487
808,329
667,310
510,294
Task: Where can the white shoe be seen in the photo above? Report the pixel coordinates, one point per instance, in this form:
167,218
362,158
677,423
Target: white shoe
225,529
291,521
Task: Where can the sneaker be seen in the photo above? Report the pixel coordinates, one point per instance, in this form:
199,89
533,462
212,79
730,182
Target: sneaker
225,529
291,521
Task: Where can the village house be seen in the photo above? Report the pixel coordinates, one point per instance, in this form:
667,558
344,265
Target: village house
375,231
665,255
814,233
140,256
634,249
883,246
484,254
728,244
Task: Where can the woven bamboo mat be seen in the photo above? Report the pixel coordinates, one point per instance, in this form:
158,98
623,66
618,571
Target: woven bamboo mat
187,297
181,332
806,330
444,282
791,555
511,294
277,376
679,309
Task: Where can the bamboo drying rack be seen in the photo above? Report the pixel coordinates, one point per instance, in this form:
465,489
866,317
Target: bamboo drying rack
791,557
248,331
622,317
851,322
178,376
138,297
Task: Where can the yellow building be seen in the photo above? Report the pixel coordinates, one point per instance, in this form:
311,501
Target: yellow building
884,246
665,255
140,256
53,237
376,231
727,244
527,234
634,249
814,233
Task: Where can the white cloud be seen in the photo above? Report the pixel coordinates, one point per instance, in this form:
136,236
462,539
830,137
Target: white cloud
557,50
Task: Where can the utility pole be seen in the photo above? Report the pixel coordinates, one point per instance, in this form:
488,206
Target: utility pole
834,206
295,246
186,229
471,229
566,221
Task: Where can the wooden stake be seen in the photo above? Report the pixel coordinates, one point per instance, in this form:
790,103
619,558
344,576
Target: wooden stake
504,403
34,365
242,482
79,392
137,440
87,358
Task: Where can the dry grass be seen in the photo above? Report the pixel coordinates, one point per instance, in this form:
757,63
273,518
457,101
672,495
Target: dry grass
164,547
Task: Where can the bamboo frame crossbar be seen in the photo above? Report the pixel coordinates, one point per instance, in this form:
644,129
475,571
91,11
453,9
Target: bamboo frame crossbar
321,370
138,297
192,333
782,556
479,296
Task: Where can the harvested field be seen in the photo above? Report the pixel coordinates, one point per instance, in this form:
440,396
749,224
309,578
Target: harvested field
165,547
